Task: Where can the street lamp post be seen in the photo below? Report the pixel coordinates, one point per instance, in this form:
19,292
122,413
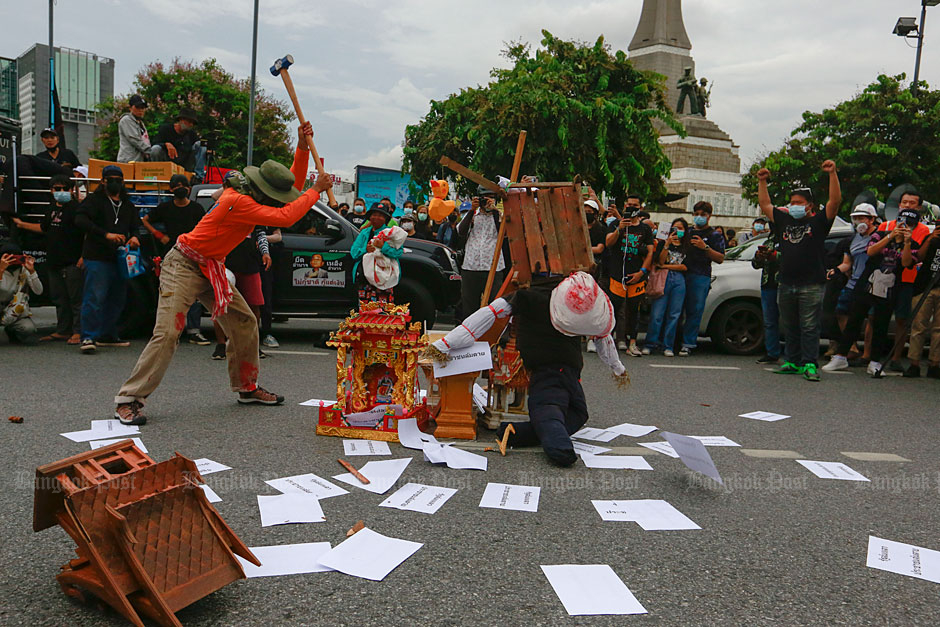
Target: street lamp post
906,26
251,103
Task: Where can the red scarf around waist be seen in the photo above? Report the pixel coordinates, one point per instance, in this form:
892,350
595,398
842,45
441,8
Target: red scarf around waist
214,270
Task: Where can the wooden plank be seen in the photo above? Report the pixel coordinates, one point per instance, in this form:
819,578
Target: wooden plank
533,234
477,178
577,225
517,248
562,226
544,207
546,185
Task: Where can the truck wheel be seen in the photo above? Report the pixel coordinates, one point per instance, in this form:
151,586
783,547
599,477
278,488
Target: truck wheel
739,328
419,299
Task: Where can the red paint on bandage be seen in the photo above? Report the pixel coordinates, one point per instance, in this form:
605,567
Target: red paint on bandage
180,321
469,331
581,300
248,375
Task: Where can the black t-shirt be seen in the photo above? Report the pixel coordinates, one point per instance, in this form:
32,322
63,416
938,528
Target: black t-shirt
675,255
539,343
597,231
697,260
629,250
802,247
930,267
176,220
98,216
64,157
182,141
64,240
356,219
244,258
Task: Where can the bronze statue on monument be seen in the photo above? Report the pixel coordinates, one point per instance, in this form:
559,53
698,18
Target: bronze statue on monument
696,93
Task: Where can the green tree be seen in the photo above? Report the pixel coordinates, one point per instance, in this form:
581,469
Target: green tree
881,138
219,99
587,112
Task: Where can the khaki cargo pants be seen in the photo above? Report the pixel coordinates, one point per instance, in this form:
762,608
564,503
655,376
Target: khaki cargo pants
922,327
181,283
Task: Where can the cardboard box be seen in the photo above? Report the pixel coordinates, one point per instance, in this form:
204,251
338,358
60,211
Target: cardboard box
155,171
95,166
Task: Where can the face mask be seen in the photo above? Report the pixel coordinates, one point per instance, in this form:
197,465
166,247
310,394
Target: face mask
62,197
452,218
680,234
797,212
114,186
861,228
359,208
181,192
758,227
422,217
700,221
82,193
590,217
611,220
655,231
407,225
408,211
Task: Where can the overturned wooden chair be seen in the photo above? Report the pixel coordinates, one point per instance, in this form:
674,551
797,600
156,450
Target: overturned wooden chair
148,540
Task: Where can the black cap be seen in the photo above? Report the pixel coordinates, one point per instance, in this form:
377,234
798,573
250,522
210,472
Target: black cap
137,101
485,191
48,132
379,208
186,114
179,179
909,216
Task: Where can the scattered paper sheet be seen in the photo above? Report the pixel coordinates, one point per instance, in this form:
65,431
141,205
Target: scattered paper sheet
599,435
369,555
381,475
692,453
416,497
581,448
410,436
522,498
632,430
474,358
455,458
101,430
831,470
714,440
661,447
591,589
211,495
650,514
207,466
96,444
479,397
624,462
307,484
365,447
904,559
316,402
295,507
286,559
766,416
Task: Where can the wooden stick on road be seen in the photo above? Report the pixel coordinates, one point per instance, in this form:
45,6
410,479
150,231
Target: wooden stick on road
352,470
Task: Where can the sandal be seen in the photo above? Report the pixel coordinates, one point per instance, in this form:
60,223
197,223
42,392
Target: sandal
53,337
75,340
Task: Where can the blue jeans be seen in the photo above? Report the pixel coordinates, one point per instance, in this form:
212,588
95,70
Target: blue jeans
696,291
665,313
194,318
800,320
768,303
102,299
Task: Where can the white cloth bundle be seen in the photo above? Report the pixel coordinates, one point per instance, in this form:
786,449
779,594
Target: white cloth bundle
474,326
579,307
382,272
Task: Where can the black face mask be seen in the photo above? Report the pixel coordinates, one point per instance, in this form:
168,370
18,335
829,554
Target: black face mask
181,192
590,217
452,218
114,186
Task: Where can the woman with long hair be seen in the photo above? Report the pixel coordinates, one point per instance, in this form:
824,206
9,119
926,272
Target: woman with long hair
666,310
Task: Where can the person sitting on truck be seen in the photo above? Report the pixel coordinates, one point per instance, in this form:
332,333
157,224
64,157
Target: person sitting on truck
55,151
132,134
177,142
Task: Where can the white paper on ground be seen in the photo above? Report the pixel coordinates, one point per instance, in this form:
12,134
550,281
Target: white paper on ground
369,555
692,453
434,452
102,429
381,475
714,440
766,416
410,436
624,462
455,458
210,494
581,448
650,514
479,397
471,359
661,447
521,498
295,507
832,470
599,435
632,430
365,447
416,497
591,589
286,559
207,466
903,559
96,444
316,402
307,484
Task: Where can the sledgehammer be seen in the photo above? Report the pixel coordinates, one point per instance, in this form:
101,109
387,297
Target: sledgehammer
280,69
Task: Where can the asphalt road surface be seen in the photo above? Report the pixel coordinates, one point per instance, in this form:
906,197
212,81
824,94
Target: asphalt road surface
777,544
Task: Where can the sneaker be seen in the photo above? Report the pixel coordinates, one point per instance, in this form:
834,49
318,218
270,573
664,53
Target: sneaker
130,414
646,350
634,351
591,348
809,372
622,346
198,339
112,341
912,371
270,342
838,362
933,372
668,353
262,354
260,395
861,362
895,366
788,368
875,369
685,352
88,346
219,352
768,359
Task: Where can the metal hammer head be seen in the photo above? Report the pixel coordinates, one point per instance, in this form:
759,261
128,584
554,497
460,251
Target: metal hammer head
282,64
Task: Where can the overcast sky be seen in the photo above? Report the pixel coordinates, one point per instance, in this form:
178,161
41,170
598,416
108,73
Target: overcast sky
366,68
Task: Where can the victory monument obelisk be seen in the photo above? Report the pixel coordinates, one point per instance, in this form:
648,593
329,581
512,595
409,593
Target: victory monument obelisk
705,165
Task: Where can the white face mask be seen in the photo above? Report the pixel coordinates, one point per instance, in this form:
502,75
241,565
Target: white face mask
861,228
359,208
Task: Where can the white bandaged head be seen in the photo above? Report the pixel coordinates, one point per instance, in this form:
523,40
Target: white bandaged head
579,307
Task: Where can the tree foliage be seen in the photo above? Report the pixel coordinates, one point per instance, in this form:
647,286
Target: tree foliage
885,136
219,99
587,112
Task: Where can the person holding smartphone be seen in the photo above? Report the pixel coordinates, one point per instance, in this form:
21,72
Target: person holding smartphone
630,243
670,256
706,246
767,260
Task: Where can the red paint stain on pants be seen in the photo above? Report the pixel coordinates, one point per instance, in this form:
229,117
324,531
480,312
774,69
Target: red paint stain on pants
248,373
180,321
